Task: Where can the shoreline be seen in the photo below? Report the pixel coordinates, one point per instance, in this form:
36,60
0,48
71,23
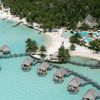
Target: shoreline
80,50
55,40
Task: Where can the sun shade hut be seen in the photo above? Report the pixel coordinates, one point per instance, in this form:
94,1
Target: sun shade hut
27,63
59,75
91,94
5,49
74,85
43,68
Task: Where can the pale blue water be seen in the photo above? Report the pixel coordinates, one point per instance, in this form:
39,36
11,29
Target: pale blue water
88,39
15,37
18,85
67,34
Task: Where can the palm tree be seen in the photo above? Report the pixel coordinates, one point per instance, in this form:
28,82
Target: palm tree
42,50
95,45
28,45
31,46
72,47
63,54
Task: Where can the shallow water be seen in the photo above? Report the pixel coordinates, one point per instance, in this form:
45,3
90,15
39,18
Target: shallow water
15,37
18,85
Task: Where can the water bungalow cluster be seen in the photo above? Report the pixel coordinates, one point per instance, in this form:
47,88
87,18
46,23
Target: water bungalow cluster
52,62
74,85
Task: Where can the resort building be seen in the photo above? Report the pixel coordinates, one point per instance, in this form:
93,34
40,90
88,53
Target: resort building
79,24
74,85
27,64
54,57
59,75
42,71
90,21
5,49
91,94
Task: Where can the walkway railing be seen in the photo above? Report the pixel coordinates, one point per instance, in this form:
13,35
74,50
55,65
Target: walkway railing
93,66
13,55
89,81
85,64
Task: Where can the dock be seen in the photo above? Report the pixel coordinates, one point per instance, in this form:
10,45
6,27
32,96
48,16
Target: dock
13,55
86,79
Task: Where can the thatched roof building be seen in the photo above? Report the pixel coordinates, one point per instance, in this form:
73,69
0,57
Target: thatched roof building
5,49
74,84
60,73
91,94
27,62
43,68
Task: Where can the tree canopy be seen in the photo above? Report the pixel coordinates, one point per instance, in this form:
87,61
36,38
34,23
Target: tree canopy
95,45
55,13
63,54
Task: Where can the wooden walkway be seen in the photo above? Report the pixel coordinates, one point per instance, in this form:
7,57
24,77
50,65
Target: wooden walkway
88,81
85,64
13,55
93,66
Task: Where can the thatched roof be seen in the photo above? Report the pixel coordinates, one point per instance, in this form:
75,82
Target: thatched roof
76,82
91,94
5,48
89,18
79,24
27,61
61,72
44,66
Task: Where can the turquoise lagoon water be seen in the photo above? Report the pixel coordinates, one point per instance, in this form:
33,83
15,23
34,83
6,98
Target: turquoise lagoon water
15,37
18,85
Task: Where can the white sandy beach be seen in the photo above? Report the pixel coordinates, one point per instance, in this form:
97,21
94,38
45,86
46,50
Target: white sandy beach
56,41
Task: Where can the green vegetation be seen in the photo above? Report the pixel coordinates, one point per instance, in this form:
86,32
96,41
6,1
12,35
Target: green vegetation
43,50
95,45
63,55
75,39
72,47
31,46
85,27
55,13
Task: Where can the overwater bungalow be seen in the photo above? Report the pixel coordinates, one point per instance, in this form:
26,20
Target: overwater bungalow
74,85
5,49
42,71
91,94
59,75
27,64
